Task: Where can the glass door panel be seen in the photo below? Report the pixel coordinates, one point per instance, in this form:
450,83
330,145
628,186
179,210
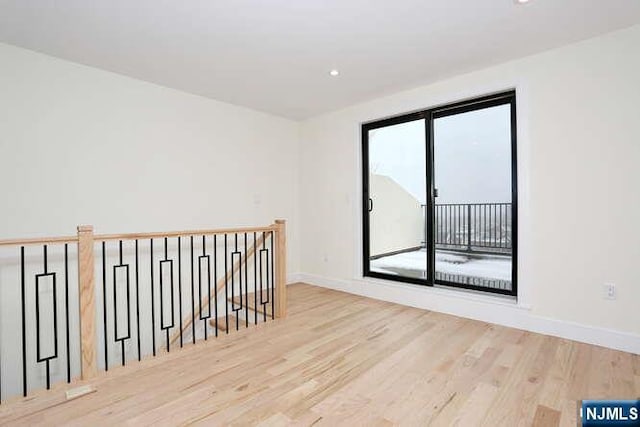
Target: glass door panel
473,204
396,199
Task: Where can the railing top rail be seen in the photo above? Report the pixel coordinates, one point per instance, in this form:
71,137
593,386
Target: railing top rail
474,204
133,236
470,204
39,241
186,233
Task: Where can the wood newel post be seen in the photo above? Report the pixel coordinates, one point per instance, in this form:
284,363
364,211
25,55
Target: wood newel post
281,269
86,292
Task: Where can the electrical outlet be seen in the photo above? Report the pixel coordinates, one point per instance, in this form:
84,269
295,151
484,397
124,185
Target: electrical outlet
609,291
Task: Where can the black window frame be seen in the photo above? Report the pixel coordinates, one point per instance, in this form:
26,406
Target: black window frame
429,115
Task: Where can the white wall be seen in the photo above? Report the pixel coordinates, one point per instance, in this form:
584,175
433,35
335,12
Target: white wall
84,146
578,160
396,220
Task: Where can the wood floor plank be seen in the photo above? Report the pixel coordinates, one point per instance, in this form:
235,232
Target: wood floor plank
546,417
341,359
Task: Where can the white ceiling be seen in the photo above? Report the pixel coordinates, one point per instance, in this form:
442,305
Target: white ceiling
275,55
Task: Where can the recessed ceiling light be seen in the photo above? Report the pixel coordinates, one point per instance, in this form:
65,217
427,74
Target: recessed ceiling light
521,1
334,72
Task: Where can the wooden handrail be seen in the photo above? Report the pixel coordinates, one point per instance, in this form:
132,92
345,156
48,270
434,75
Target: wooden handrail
39,241
133,236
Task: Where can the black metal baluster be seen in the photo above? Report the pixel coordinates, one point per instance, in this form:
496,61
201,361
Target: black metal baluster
115,305
451,225
255,277
273,310
489,224
452,209
438,229
493,234
504,224
162,294
215,279
437,224
104,305
233,284
500,226
458,225
495,225
226,291
475,226
479,208
492,218
262,301
437,232
456,230
38,317
116,318
501,245
441,224
462,239
55,318
468,212
480,224
487,241
167,328
208,277
153,310
503,218
484,226
180,287
138,303
459,218
66,307
246,284
498,223
193,297
463,224
478,234
24,330
447,224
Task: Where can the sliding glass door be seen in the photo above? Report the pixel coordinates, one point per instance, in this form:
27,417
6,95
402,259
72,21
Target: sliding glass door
439,196
395,204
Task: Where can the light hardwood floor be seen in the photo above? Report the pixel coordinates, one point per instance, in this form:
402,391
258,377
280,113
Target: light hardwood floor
340,359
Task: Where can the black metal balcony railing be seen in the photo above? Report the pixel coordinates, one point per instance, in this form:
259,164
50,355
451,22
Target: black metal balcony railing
474,227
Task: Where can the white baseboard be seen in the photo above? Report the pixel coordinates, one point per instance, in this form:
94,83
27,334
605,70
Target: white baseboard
486,308
294,278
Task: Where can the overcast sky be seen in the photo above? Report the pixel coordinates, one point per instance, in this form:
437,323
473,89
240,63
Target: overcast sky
472,156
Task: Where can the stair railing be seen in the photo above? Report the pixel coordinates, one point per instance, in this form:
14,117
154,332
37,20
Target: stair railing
88,302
